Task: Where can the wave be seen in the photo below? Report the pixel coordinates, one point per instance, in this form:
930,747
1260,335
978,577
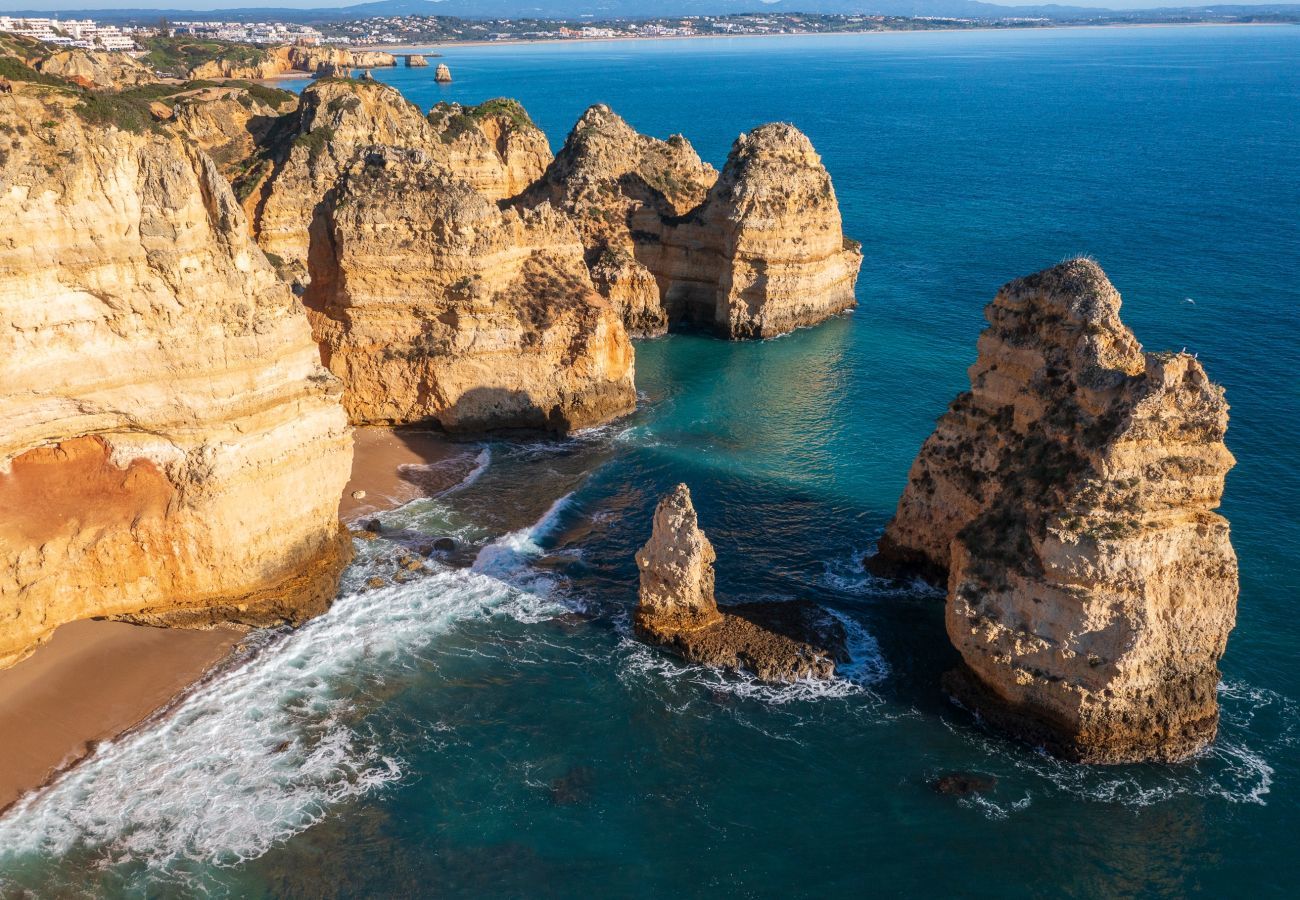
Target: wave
263,751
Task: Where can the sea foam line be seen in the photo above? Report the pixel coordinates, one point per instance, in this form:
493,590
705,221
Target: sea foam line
262,752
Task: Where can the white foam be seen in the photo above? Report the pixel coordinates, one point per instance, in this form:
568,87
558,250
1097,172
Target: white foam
509,557
481,463
263,751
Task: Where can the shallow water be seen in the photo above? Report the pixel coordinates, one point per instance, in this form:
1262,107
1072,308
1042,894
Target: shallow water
490,729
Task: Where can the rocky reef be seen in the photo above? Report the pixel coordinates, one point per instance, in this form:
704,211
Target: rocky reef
777,641
753,253
173,451
430,302
1068,499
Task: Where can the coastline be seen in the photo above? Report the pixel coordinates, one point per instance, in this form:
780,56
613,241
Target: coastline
96,680
442,45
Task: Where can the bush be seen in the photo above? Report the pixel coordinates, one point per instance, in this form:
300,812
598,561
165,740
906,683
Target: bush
17,71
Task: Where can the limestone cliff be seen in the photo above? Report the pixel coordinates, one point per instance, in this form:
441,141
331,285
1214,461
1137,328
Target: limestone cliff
753,253
494,146
173,452
617,183
322,61
431,303
777,641
416,61
97,70
442,74
1069,497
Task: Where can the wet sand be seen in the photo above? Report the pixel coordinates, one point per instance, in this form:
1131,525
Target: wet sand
95,680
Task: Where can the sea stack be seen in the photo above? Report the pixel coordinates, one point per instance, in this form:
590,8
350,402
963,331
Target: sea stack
415,61
753,253
777,641
173,452
1068,499
442,74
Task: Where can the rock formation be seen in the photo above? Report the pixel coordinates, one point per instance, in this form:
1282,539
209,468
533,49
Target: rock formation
173,452
442,74
319,61
617,183
754,253
494,146
415,61
97,70
1068,498
431,303
780,641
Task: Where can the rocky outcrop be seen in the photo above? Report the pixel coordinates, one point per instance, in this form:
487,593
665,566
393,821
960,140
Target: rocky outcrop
97,70
1068,498
754,253
494,146
783,641
173,452
431,303
319,61
617,183
416,61
442,74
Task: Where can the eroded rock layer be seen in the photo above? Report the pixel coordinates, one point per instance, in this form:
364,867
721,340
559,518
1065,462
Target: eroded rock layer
97,70
1069,497
753,253
431,303
322,61
173,452
780,641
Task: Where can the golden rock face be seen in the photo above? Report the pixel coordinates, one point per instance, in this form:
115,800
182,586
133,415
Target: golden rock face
1068,500
173,450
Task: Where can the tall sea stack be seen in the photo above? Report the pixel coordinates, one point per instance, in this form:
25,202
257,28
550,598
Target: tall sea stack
1068,499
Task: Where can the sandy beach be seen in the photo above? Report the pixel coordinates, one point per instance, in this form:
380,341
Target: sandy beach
95,680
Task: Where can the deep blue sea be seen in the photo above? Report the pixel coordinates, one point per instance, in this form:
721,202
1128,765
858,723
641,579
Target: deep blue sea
492,730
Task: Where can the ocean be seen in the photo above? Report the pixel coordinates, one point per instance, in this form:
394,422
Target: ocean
491,729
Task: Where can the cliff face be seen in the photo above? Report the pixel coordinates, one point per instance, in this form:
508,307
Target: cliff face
97,70
765,253
1068,496
494,146
754,253
173,453
430,302
617,183
283,60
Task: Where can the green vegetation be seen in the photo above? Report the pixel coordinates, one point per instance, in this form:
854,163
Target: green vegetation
315,141
457,121
176,56
15,70
120,110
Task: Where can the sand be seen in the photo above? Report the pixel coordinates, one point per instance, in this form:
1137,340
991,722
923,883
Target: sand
95,680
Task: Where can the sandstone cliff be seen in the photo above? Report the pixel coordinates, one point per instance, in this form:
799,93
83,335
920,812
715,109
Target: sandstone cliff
442,74
753,253
1068,497
431,303
494,146
617,183
416,61
97,70
781,641
172,453
323,61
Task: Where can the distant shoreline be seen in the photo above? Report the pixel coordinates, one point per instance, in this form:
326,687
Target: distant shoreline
442,45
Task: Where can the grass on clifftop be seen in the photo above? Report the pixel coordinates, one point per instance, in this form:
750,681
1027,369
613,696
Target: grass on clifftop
457,120
178,55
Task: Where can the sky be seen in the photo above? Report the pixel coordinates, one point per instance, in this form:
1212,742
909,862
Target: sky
57,5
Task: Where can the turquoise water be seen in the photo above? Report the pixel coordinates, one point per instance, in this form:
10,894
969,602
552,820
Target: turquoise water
492,730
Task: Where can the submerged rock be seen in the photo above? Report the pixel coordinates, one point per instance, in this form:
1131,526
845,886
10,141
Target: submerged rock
777,641
1068,500
963,784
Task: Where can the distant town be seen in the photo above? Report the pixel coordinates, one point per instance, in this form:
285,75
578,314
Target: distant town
414,30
